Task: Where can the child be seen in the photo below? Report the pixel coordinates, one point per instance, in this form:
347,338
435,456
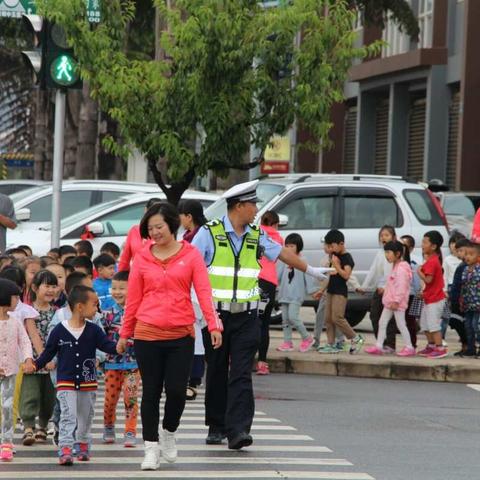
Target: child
61,273
105,267
15,346
395,298
433,295
83,264
84,248
470,297
26,249
54,254
267,282
32,266
111,249
337,293
65,252
38,396
121,371
75,342
6,261
294,285
457,320
376,279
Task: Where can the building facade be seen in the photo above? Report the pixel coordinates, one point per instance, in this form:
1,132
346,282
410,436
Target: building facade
414,110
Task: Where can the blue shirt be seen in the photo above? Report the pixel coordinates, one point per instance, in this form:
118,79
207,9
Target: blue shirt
103,288
204,242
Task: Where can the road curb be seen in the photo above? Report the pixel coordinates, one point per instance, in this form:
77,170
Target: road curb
387,367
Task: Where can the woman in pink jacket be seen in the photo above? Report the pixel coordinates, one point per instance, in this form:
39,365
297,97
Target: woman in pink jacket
395,298
267,281
159,316
133,243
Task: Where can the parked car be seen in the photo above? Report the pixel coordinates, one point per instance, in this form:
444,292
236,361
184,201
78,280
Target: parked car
9,187
107,222
356,204
459,210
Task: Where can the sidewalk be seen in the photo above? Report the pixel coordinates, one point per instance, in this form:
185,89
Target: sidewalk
448,369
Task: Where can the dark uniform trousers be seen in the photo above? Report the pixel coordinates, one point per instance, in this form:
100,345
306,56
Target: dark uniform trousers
229,401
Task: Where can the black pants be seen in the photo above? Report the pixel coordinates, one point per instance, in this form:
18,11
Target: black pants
229,402
376,309
268,294
198,370
166,362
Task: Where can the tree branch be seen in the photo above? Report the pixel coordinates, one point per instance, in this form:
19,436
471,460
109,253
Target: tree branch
243,167
152,164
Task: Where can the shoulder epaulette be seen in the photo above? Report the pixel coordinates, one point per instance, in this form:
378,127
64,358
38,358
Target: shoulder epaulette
212,223
253,226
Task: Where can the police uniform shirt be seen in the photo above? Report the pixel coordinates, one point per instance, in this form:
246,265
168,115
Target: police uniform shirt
204,242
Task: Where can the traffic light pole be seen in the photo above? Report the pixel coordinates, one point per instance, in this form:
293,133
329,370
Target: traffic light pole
58,148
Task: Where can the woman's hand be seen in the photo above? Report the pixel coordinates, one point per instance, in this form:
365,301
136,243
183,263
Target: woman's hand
122,346
216,337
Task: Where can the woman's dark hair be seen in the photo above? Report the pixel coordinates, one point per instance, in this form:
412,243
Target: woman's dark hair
193,208
389,229
15,274
270,218
436,239
398,247
169,214
295,239
8,289
43,277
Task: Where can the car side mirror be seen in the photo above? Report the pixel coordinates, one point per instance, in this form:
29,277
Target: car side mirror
23,215
283,220
95,228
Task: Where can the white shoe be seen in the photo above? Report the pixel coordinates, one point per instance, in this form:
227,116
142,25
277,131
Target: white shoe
151,461
169,446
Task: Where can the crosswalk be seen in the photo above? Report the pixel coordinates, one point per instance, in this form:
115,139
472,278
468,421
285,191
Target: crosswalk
279,452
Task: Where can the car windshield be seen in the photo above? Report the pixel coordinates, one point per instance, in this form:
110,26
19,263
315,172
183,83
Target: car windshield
18,196
85,214
459,205
265,192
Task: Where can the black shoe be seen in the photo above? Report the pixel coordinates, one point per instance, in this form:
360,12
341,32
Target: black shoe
241,440
215,436
468,353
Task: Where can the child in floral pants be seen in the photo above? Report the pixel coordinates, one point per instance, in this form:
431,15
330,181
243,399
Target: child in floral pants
121,371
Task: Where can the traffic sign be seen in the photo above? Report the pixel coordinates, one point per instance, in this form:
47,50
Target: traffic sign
64,70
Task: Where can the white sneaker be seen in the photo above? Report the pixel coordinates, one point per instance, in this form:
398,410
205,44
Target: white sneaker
151,461
169,446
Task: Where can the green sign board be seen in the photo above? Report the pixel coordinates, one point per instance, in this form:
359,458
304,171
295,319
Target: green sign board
64,70
15,9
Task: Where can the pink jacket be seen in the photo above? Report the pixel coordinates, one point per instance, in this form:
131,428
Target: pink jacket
397,288
476,228
159,293
269,269
14,344
133,244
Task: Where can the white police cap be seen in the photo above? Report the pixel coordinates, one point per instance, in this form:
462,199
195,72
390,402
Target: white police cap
244,192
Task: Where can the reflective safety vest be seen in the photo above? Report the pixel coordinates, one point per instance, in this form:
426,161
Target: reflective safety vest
234,276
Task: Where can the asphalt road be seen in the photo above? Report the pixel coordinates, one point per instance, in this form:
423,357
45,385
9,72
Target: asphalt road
392,430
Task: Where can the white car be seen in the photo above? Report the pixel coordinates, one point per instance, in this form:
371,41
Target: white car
12,186
108,222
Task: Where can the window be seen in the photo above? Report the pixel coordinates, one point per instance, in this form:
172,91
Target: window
425,22
107,196
118,223
363,211
423,207
397,42
71,202
459,205
308,213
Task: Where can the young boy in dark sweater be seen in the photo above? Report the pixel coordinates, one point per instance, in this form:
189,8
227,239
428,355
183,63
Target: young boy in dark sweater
74,341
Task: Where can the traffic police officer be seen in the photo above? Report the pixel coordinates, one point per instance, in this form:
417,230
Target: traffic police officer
231,247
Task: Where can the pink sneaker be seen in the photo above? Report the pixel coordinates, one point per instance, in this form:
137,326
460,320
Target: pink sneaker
286,347
262,368
426,351
438,352
374,350
306,345
406,352
6,452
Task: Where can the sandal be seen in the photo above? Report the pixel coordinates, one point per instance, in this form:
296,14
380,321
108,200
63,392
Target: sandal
41,435
28,437
191,394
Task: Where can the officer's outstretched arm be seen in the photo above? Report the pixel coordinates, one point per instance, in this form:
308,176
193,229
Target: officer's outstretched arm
287,256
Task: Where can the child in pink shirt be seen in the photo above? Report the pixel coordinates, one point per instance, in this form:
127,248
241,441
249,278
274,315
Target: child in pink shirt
395,298
14,344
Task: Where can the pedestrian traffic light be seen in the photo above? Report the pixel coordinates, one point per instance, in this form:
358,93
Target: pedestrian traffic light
35,59
61,66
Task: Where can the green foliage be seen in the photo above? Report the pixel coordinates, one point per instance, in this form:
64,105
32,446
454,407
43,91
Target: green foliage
206,88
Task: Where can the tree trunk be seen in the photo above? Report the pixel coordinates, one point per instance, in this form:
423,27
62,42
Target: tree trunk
87,136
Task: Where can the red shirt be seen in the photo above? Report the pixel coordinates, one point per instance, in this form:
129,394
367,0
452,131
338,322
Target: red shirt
434,290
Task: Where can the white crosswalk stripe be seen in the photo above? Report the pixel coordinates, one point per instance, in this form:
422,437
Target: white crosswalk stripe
279,452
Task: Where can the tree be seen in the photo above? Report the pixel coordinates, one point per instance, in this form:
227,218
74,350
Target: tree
232,76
